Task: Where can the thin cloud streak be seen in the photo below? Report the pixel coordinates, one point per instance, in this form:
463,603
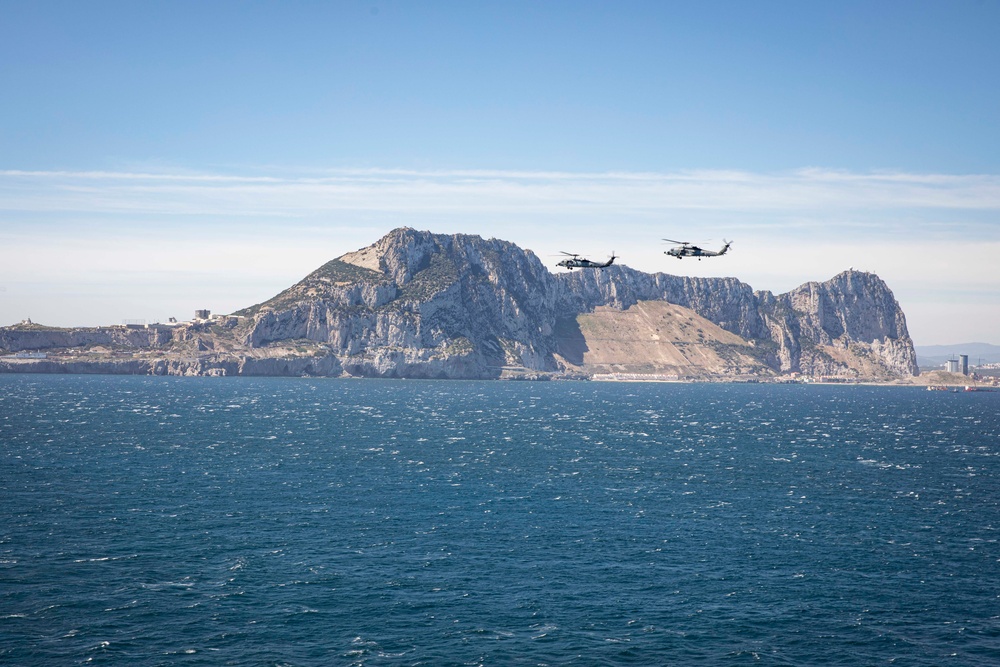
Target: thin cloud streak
478,192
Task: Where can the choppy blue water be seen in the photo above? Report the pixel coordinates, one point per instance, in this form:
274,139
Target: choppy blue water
340,522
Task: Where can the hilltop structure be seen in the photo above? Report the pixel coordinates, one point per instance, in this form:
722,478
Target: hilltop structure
422,305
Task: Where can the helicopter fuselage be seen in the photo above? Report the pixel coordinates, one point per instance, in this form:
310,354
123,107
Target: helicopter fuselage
581,263
688,250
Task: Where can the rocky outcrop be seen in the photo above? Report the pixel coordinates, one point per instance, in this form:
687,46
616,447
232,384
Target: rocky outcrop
851,322
727,302
431,305
18,338
417,304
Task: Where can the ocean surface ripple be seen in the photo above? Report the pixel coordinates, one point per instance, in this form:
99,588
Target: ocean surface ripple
243,521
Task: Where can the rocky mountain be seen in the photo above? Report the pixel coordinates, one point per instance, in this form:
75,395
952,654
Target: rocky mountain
429,305
418,304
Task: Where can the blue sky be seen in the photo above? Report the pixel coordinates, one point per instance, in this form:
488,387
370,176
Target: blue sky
161,157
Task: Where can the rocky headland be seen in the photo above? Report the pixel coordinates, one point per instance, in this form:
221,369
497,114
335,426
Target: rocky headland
422,305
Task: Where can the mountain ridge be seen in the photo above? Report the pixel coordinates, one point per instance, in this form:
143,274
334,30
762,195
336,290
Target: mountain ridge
496,296
419,304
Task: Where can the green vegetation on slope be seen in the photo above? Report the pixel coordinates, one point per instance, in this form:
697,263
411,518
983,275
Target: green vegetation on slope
334,273
439,274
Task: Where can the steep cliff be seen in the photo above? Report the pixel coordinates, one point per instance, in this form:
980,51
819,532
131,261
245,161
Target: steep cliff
20,337
417,304
848,325
432,305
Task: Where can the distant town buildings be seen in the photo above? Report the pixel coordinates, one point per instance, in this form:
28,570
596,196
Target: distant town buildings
960,365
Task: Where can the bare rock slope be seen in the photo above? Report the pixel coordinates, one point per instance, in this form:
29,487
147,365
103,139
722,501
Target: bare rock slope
422,305
430,305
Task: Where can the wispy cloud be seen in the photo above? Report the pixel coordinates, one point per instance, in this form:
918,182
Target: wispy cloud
477,192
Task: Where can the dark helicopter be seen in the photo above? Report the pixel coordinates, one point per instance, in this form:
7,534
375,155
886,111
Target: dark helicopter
574,261
686,249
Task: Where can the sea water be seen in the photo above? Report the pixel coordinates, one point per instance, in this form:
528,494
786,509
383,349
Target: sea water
242,521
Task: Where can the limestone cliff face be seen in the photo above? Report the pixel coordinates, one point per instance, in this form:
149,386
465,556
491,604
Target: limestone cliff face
432,305
849,321
727,302
18,338
417,304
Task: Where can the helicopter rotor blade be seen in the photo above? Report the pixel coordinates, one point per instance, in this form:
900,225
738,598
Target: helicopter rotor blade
673,241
